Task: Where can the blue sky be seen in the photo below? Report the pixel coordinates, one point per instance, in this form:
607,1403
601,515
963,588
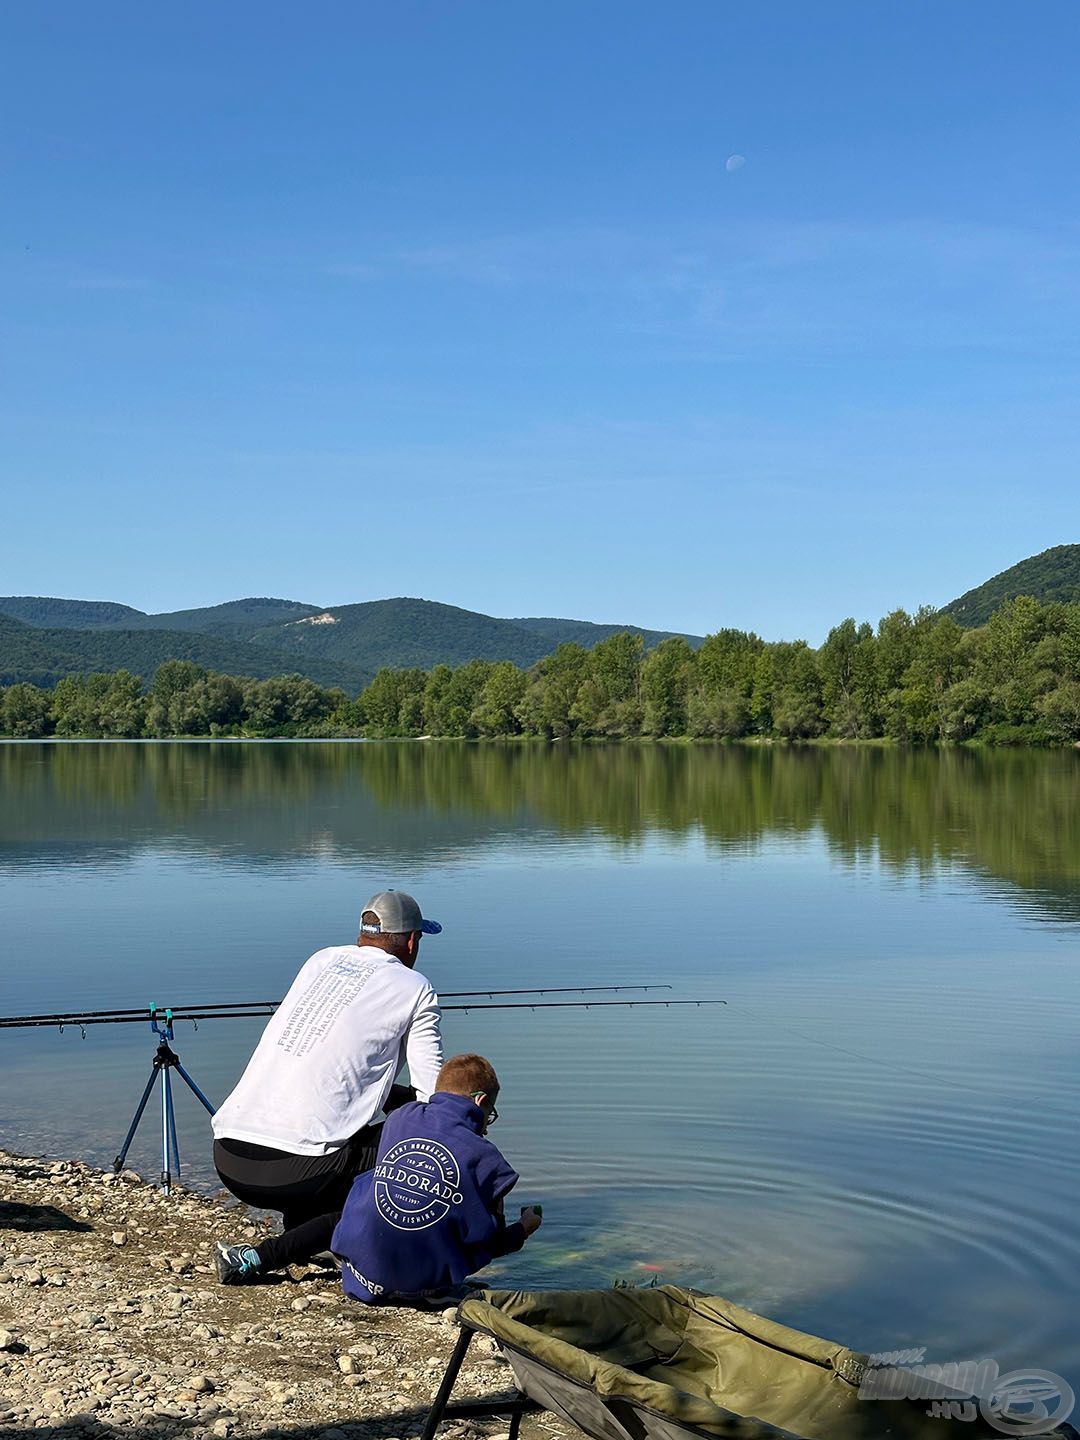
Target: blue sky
472,302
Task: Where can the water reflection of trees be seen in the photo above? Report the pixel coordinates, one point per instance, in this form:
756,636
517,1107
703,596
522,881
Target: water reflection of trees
1011,814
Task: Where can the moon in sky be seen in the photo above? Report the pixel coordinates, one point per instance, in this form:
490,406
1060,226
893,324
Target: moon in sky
734,162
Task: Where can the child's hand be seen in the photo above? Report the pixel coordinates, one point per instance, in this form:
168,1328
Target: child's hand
531,1219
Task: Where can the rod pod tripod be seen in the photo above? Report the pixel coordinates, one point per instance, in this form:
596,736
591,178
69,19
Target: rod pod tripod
165,1061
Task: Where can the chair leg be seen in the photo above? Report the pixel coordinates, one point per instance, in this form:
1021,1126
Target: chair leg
438,1405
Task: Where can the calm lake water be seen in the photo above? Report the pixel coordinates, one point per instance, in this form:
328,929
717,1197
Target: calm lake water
876,1139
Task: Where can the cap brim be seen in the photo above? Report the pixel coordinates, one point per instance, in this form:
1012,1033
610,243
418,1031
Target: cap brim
431,927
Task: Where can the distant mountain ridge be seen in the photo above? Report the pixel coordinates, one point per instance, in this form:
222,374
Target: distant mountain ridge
238,618
1053,574
403,632
42,655
244,616
587,634
260,636
44,611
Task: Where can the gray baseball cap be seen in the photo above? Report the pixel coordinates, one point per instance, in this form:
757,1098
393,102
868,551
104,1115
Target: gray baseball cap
398,913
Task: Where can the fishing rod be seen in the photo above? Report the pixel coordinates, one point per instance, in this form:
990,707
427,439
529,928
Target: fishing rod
245,1009
166,1061
80,1022
548,990
578,1004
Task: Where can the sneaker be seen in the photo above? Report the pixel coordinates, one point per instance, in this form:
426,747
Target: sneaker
238,1264
326,1260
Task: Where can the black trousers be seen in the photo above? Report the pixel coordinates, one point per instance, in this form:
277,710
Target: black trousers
308,1190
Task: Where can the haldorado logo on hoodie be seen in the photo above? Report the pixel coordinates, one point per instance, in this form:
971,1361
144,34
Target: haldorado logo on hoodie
416,1183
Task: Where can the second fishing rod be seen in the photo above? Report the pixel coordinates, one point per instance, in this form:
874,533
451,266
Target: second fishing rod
246,1009
166,1061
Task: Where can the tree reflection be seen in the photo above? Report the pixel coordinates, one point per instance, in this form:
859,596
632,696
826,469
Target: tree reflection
1011,815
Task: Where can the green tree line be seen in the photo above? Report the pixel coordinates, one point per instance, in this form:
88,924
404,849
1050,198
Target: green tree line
915,679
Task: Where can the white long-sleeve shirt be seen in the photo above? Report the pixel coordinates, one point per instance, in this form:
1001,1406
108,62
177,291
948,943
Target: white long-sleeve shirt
327,1059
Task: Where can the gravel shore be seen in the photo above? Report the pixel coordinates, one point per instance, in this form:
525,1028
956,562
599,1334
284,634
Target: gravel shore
112,1322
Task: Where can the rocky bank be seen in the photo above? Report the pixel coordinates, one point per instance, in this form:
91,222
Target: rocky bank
112,1322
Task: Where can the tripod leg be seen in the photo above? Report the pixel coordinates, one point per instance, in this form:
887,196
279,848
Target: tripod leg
118,1163
172,1129
190,1083
166,1123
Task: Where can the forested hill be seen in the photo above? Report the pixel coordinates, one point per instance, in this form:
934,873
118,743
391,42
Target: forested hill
239,619
587,634
406,632
44,610
915,679
340,646
1052,575
43,656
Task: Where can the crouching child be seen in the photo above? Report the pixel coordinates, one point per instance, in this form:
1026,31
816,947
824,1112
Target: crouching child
430,1213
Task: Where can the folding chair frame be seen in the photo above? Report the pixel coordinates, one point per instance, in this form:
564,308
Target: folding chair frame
442,1409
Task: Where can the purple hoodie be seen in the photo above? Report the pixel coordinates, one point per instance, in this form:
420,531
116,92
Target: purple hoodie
428,1214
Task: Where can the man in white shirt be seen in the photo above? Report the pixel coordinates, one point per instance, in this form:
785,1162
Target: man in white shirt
300,1124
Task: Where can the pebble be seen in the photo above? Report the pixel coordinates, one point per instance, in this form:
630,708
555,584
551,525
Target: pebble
135,1346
